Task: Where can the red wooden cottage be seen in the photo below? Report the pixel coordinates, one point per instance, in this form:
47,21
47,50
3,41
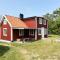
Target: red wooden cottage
13,28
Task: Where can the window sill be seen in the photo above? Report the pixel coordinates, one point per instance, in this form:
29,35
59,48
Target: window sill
5,35
40,23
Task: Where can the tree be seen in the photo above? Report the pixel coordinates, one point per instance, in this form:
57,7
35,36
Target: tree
57,12
53,21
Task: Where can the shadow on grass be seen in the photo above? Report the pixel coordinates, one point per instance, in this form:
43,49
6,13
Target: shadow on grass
3,50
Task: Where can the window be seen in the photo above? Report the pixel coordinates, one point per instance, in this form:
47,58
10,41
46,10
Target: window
5,21
40,20
45,31
31,32
4,31
21,32
39,31
44,22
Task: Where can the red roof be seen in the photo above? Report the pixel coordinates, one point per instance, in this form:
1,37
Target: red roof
17,22
31,23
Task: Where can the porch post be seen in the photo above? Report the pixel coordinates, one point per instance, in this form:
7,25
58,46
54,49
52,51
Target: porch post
35,34
42,32
11,34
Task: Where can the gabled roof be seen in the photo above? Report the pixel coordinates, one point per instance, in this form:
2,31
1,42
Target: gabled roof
16,22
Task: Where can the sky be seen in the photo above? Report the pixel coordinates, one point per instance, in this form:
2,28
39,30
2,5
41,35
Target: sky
28,7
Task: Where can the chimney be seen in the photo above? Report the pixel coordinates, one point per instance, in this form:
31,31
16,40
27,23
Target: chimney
21,16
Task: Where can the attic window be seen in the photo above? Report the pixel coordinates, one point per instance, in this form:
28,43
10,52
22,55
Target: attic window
4,21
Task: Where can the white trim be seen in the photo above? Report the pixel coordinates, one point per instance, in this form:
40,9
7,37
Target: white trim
22,28
17,28
5,41
29,28
36,21
7,20
11,34
35,34
36,28
1,17
4,32
42,32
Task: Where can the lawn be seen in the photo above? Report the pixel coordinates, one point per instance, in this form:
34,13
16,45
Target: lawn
47,49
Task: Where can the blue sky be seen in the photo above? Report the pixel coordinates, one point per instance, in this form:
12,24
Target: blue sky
28,7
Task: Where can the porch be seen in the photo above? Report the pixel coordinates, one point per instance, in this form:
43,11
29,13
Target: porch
24,34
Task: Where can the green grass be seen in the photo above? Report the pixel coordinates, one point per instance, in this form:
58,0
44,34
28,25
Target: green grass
47,49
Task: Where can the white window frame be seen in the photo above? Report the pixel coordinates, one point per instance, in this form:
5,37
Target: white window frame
4,32
31,33
44,22
21,32
4,21
40,20
39,31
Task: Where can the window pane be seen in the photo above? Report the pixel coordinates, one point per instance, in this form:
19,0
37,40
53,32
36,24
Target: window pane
31,31
21,32
39,31
5,22
44,22
4,32
40,20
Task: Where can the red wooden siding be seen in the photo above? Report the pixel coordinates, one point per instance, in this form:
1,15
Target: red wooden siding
8,37
0,33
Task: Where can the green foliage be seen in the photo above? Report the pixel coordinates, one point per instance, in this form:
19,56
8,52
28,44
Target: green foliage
53,22
57,11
